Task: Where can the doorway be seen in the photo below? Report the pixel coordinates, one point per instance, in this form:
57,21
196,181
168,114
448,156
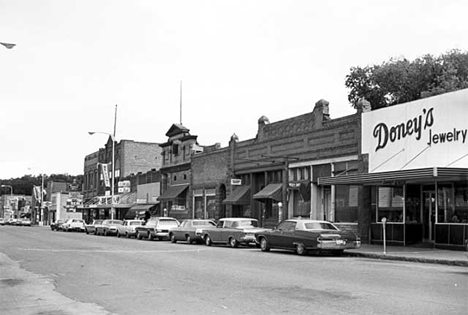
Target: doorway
327,215
428,215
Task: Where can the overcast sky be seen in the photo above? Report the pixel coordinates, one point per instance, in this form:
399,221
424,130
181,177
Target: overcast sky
237,60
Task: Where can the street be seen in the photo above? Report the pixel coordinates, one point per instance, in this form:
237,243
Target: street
45,272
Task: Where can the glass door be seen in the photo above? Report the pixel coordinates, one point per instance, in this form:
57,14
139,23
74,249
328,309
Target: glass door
428,215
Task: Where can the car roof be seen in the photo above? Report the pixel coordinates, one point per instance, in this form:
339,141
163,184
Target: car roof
307,221
237,219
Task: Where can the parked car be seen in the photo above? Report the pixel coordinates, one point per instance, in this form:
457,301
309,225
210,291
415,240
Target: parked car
190,230
2,221
108,227
128,227
156,228
77,225
24,222
232,231
57,225
91,228
302,235
12,221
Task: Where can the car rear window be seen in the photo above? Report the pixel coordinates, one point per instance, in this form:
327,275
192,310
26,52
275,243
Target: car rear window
134,223
204,223
246,223
168,223
319,226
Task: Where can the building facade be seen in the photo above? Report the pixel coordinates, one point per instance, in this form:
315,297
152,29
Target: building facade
414,185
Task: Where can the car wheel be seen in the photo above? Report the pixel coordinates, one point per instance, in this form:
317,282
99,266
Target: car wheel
150,237
126,235
139,236
208,241
87,232
105,233
233,242
301,250
173,239
118,234
188,239
264,245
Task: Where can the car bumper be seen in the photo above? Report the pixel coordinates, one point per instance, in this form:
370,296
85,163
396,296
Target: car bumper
338,244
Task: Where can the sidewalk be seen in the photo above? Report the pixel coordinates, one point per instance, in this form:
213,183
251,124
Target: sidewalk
424,255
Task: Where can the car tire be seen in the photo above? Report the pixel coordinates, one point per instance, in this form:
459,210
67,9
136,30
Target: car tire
233,242
87,232
138,236
126,235
173,239
104,233
118,234
188,239
264,246
208,241
301,250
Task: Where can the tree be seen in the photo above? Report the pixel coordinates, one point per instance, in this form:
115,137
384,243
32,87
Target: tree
399,80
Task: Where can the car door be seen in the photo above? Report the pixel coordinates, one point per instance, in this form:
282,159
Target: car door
227,230
283,236
216,233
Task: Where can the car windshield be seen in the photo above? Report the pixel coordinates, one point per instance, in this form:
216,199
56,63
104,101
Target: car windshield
319,226
97,221
203,223
134,223
114,222
245,223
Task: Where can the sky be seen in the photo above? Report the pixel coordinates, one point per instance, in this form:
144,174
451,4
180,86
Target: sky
75,60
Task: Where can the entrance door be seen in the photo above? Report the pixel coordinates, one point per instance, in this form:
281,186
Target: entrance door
428,215
327,215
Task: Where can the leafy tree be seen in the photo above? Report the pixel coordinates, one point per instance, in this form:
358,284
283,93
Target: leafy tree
399,80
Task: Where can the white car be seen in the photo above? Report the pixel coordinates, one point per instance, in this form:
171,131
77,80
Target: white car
127,229
74,225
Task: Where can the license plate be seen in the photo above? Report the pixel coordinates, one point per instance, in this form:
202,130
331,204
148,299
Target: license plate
340,242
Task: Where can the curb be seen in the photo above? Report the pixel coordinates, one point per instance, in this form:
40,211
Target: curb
459,263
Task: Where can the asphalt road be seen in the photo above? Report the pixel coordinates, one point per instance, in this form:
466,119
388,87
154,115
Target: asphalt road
44,272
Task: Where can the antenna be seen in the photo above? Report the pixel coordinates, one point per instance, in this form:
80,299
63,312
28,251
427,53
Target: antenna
180,96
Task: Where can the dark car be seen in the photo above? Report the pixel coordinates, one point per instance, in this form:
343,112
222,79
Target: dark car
57,225
156,228
232,231
302,236
190,230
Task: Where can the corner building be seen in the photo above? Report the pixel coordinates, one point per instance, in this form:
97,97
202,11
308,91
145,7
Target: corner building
414,175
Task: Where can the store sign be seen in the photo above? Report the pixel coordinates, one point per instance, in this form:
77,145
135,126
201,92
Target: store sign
177,208
424,133
236,181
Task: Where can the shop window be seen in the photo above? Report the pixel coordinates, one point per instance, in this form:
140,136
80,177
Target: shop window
211,206
460,214
346,203
390,203
413,204
446,203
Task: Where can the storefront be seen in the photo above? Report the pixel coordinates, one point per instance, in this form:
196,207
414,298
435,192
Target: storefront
417,179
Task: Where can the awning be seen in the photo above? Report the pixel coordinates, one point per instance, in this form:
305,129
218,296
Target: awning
138,210
429,174
271,191
173,192
240,196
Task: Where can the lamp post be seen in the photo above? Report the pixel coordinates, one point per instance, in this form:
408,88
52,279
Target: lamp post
113,167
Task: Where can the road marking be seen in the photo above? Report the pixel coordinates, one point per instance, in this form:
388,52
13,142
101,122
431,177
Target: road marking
109,251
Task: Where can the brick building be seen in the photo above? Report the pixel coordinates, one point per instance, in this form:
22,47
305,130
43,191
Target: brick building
279,168
131,157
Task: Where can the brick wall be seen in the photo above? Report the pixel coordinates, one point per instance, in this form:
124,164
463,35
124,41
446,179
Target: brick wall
135,157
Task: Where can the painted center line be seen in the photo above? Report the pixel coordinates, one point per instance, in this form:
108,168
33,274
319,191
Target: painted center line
109,251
